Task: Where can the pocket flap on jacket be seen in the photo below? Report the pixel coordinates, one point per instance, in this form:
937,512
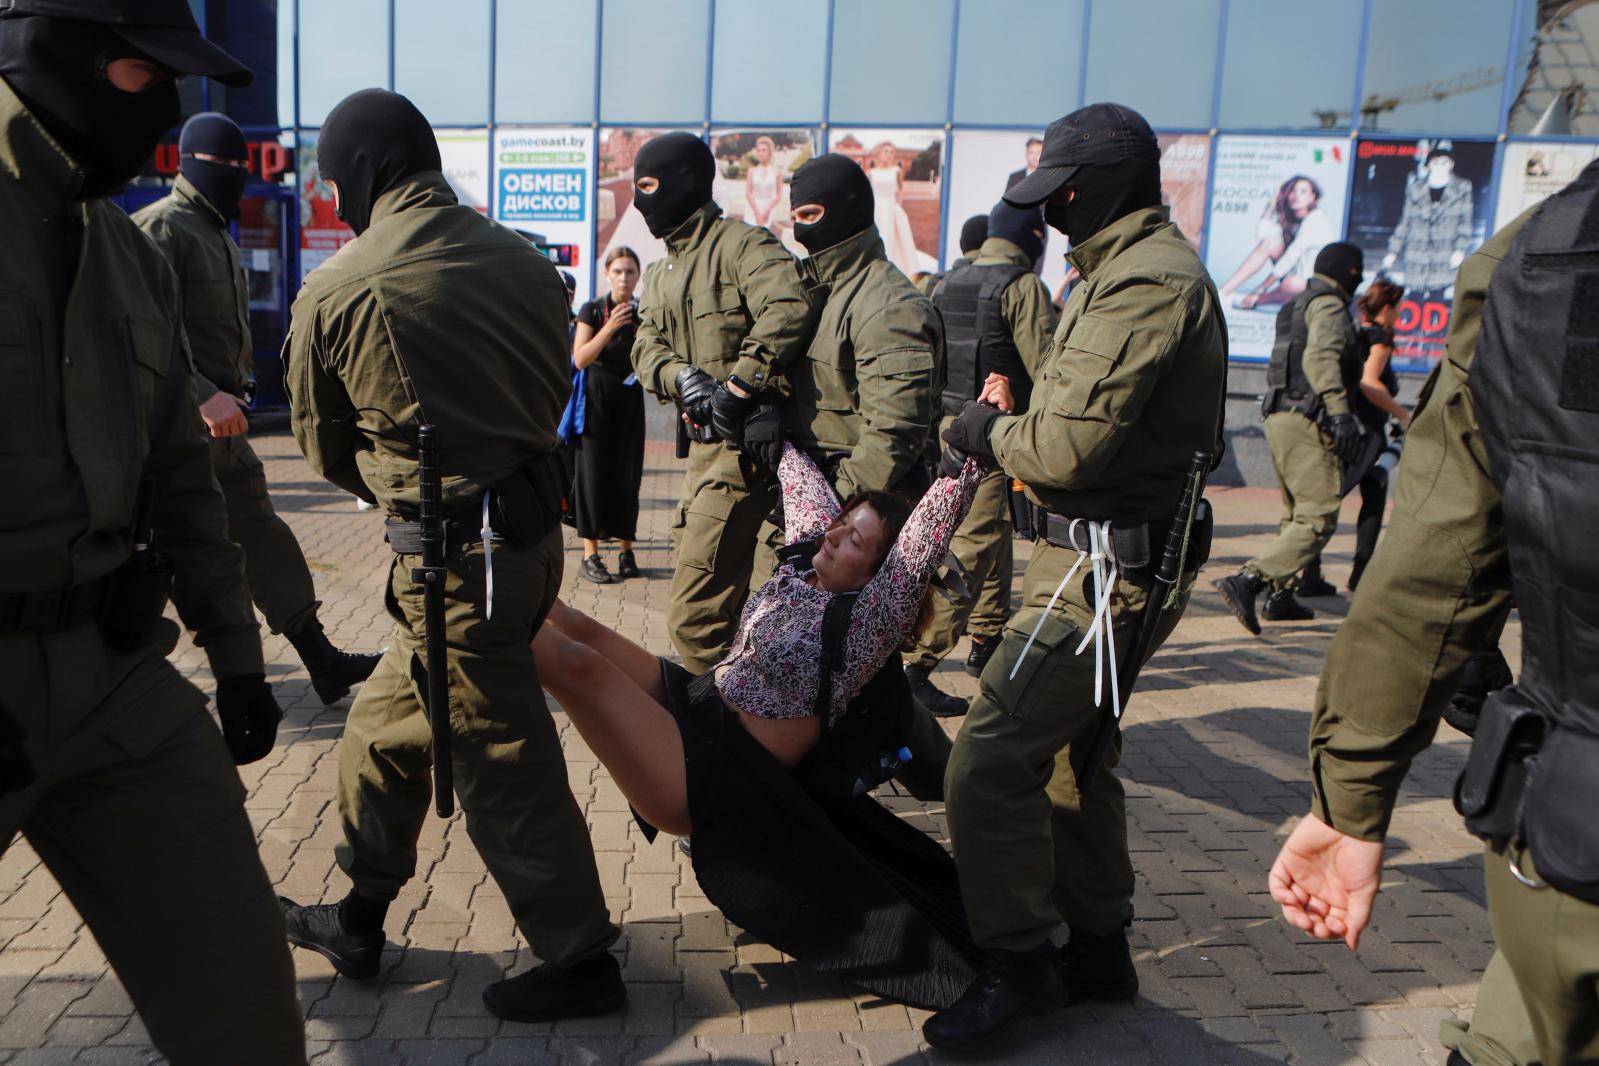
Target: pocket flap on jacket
1099,336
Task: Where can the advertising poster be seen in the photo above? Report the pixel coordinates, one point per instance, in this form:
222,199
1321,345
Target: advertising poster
753,169
1418,208
465,154
1275,203
907,172
618,223
1533,171
984,163
542,181
321,232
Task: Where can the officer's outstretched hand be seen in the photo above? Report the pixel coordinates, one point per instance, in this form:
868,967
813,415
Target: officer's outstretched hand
1326,881
250,716
763,433
1347,436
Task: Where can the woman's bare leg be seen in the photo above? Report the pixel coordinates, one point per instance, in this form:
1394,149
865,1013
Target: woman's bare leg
640,666
630,732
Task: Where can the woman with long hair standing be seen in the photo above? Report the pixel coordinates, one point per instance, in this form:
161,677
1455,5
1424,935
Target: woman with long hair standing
610,455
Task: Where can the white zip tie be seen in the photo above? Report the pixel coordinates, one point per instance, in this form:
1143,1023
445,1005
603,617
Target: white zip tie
488,561
1071,533
1101,630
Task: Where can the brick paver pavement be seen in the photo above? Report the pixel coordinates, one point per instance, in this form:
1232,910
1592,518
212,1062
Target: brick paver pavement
1215,772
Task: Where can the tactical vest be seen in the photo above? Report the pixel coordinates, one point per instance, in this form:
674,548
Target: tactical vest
1535,383
977,339
1287,388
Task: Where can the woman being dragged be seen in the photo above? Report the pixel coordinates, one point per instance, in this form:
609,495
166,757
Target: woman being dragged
852,891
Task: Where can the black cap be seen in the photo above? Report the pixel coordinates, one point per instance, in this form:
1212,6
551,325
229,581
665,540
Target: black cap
164,30
1098,135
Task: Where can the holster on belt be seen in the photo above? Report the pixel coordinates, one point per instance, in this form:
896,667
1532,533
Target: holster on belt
137,591
1023,514
1491,791
528,504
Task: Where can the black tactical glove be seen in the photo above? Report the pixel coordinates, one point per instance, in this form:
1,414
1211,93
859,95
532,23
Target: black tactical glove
968,434
951,462
729,410
1347,437
16,769
763,433
694,391
249,716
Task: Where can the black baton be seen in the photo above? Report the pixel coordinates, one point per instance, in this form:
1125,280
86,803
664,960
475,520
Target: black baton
435,679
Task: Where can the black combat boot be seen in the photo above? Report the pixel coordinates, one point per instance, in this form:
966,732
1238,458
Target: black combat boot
322,928
547,993
1240,591
939,703
982,651
1099,967
1012,985
1313,583
333,672
1282,606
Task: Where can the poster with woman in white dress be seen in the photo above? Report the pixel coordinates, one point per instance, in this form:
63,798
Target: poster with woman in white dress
906,168
753,169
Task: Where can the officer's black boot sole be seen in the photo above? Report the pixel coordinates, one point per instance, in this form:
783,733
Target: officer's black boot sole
1241,599
333,685
359,962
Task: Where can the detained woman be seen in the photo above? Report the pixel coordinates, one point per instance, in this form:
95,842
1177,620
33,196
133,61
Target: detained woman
610,454
861,895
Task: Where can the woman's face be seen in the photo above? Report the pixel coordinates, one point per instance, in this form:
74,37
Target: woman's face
1302,198
763,152
885,156
623,275
850,551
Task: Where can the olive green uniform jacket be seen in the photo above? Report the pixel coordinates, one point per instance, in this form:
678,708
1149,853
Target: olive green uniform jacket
1330,333
193,236
137,809
437,315
868,386
729,299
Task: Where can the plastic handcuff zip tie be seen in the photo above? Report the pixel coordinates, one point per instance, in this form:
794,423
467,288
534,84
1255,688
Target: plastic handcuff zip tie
1098,541
488,561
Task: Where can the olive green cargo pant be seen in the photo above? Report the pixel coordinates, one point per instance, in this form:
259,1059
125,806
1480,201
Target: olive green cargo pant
274,565
1032,848
510,772
718,521
139,814
984,546
1551,942
1308,472
1500,1033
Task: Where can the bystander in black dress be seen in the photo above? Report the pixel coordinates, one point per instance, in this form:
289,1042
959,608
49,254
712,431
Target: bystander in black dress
610,455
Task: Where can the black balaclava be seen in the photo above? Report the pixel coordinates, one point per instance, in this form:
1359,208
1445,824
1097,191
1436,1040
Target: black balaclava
57,67
1022,226
1345,263
683,165
840,185
370,142
1104,194
210,133
974,231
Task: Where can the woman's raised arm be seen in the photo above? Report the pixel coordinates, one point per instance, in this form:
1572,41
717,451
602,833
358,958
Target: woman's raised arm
809,503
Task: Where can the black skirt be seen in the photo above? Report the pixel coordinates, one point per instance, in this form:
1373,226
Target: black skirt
610,458
854,892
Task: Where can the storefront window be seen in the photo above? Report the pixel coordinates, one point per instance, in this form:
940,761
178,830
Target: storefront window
652,63
533,83
1436,66
1156,56
767,69
1018,61
1266,82
445,74
344,46
261,35
1555,73
891,61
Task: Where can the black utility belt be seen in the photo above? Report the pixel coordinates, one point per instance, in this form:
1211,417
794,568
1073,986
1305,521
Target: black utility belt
53,611
406,537
1135,546
1279,400
523,508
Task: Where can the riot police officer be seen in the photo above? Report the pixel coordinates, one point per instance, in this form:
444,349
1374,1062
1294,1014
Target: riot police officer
1132,386
1311,429
109,764
190,226
721,317
377,345
999,319
1496,498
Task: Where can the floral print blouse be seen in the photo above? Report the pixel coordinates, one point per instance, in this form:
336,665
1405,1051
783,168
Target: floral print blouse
773,668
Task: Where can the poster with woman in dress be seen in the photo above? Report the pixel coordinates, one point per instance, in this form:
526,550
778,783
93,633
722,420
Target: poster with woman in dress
906,168
753,170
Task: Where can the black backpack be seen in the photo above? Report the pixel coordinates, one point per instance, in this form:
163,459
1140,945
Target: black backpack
882,719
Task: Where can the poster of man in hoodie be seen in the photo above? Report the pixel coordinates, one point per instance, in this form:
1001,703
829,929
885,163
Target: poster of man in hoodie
1419,207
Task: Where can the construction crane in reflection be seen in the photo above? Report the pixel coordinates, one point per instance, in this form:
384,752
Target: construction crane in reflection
1377,105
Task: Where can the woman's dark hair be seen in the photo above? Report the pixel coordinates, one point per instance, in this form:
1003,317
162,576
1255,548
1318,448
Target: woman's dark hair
1284,213
622,251
1380,294
893,511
